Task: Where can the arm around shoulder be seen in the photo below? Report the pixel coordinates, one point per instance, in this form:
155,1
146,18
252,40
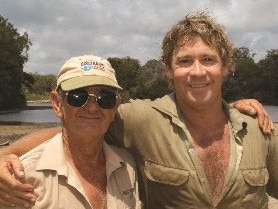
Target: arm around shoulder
253,107
29,141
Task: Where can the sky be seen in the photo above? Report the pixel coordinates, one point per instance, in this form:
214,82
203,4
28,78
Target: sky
60,29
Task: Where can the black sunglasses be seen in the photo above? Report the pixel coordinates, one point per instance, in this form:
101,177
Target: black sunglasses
79,97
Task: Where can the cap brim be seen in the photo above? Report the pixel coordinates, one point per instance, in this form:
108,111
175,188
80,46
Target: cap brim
83,81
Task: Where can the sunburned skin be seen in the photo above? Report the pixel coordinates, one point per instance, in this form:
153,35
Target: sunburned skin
213,149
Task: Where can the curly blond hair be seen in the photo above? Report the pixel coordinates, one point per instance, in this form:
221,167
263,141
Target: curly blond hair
198,24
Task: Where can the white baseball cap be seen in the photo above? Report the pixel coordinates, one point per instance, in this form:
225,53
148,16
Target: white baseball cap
86,70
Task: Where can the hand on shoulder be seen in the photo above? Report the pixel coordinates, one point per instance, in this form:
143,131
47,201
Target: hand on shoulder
13,189
253,107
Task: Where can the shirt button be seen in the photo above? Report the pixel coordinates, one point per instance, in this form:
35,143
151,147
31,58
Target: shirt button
190,150
203,179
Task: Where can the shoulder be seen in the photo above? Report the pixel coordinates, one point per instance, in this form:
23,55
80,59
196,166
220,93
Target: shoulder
248,129
30,159
139,106
119,153
134,105
240,120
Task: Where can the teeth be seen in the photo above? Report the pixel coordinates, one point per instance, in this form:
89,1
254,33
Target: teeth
198,85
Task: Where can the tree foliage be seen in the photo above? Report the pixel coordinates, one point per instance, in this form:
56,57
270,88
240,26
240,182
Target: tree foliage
268,77
13,54
240,84
126,71
250,79
41,86
147,81
151,81
253,80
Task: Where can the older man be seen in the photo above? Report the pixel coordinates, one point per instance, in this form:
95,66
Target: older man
76,168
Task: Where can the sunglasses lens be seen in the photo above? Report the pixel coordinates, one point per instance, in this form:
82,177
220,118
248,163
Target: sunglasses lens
77,98
106,99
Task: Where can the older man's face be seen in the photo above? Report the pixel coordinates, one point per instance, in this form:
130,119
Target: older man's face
89,120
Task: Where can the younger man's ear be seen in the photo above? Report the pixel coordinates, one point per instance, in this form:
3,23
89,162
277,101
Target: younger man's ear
169,72
225,71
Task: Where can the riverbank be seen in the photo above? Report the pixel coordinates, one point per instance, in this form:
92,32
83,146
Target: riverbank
30,105
9,132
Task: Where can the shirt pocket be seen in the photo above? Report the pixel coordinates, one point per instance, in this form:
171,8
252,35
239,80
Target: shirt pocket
256,177
165,175
255,188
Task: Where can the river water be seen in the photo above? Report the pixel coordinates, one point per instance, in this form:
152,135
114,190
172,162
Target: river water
48,116
273,111
32,115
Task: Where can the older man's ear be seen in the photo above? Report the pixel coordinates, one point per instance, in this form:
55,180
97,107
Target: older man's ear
56,103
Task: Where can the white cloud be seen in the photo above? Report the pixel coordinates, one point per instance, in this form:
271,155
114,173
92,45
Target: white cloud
108,28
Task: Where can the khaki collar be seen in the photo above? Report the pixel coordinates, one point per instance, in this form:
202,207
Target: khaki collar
53,157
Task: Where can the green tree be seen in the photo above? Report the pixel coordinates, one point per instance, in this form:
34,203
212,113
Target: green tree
243,83
138,81
28,80
151,81
126,71
269,76
13,55
41,87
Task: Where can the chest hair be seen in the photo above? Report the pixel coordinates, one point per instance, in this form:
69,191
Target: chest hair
94,182
213,149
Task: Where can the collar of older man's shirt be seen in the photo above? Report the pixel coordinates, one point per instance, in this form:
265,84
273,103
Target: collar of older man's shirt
53,157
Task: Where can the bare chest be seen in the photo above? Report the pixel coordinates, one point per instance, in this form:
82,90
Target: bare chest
94,184
215,159
96,195
214,153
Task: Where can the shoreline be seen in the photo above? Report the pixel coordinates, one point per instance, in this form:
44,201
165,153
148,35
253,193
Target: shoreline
11,131
29,107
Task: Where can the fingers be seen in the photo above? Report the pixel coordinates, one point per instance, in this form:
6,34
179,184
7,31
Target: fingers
244,106
13,190
12,173
271,126
253,107
9,200
3,202
15,166
9,196
264,119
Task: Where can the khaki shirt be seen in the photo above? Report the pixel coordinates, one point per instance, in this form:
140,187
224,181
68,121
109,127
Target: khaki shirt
57,185
171,173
